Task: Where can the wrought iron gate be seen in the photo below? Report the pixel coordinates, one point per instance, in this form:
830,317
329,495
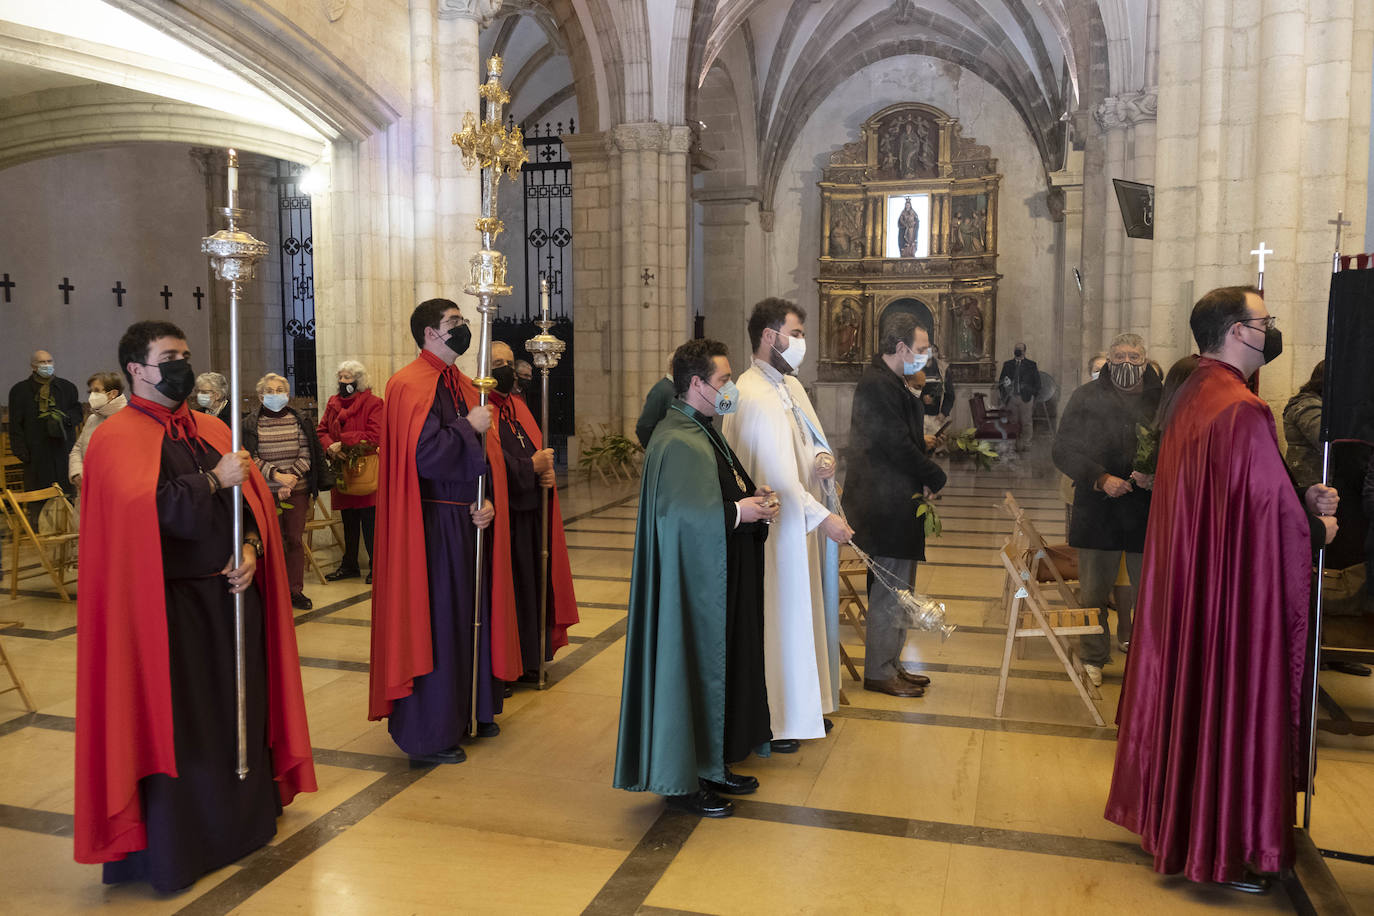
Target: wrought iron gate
297,255
547,183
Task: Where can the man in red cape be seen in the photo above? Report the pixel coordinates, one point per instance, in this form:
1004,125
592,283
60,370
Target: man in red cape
424,585
157,796
520,468
1210,750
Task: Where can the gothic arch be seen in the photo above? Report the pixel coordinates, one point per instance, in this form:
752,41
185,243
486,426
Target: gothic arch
55,121
273,53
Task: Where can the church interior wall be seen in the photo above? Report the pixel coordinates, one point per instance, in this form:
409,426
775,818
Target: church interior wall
131,214
1025,253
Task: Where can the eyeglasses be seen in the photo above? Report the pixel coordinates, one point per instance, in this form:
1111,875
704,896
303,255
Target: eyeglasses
1135,359
1270,322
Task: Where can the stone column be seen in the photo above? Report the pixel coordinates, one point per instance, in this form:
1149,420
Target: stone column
454,64
1066,207
1128,123
630,225
732,275
1262,136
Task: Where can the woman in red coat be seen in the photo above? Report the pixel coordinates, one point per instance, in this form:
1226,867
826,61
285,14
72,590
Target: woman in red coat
353,416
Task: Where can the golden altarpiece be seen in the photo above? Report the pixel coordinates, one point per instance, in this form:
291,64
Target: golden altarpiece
909,224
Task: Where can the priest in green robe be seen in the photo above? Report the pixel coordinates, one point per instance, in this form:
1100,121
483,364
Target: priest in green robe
693,698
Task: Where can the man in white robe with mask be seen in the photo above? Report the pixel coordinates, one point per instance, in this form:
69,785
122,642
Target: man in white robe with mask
777,436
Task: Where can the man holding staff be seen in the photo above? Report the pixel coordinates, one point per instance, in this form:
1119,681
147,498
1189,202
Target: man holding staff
520,468
157,796
423,594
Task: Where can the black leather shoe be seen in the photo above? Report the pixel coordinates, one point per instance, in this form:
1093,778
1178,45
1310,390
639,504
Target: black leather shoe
343,573
1250,883
733,784
301,603
911,677
452,755
828,724
369,578
488,729
785,746
703,804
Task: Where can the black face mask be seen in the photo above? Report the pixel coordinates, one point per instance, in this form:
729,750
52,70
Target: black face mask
178,379
1273,344
459,339
346,389
505,379
1019,354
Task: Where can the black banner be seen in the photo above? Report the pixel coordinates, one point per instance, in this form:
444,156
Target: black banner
1348,389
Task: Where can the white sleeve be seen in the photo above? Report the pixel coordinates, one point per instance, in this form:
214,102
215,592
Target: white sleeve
816,512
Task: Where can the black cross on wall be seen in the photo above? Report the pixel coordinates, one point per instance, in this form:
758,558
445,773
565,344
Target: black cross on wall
119,291
646,276
198,296
166,295
7,284
66,287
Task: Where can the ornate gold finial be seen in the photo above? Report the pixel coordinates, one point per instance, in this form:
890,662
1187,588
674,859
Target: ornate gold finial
494,66
489,145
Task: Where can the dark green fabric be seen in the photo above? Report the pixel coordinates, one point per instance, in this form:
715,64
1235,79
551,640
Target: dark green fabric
672,704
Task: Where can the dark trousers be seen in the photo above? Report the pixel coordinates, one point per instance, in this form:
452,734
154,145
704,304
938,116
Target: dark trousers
292,530
355,522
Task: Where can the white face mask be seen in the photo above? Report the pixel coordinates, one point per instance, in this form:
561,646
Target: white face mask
1096,374
98,399
795,352
274,402
204,399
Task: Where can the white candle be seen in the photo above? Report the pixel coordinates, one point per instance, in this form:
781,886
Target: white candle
233,179
544,297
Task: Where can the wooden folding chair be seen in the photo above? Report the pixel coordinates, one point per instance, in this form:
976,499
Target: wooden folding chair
853,607
62,544
1030,616
321,519
1040,560
18,683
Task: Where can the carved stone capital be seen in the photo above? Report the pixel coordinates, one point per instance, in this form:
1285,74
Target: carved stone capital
649,135
480,11
766,220
1122,111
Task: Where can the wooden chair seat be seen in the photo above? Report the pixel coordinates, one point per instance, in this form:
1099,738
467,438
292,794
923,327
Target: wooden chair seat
56,551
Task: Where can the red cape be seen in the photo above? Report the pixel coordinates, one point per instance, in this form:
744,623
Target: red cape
561,597
123,685
402,646
1210,751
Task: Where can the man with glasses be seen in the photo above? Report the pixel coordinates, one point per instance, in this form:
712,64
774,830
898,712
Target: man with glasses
1209,753
1096,447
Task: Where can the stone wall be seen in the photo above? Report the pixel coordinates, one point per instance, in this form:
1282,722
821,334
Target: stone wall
133,215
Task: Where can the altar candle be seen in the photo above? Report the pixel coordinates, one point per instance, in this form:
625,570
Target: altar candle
233,179
544,297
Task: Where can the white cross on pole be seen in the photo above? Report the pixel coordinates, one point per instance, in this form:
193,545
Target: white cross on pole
1260,252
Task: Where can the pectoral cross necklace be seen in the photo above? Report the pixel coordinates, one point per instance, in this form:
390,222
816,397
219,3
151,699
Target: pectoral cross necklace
725,453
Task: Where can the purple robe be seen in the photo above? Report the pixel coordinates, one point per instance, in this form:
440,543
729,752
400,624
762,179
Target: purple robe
449,459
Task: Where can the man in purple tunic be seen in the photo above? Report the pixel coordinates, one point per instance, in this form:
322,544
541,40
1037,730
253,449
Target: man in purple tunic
427,530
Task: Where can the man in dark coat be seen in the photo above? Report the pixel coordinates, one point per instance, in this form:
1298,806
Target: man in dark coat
45,417
1096,448
889,471
1020,385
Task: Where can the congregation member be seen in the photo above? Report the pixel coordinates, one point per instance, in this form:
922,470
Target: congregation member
45,414
286,451
778,438
158,798
655,406
693,699
424,595
1209,751
888,469
1302,421
524,378
522,469
937,391
352,420
105,395
1096,448
1019,383
1096,365
211,395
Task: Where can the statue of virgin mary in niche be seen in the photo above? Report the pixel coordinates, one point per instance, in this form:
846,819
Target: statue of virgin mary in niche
908,224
